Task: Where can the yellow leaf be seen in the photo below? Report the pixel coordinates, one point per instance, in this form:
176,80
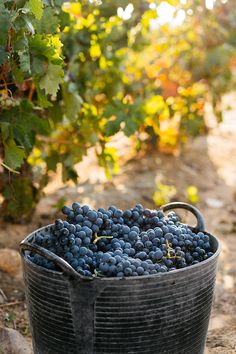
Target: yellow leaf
95,51
73,8
192,194
163,193
154,105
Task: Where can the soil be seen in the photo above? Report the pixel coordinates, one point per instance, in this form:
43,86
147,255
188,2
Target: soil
208,162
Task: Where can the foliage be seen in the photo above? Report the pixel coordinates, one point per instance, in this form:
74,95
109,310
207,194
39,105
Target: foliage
192,194
163,193
74,74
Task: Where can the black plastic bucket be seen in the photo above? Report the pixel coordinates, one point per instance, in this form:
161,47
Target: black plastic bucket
161,313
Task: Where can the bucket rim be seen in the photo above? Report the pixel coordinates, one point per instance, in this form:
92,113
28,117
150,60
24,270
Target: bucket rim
215,255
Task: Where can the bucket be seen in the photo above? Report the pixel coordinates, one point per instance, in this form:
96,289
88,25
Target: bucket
159,313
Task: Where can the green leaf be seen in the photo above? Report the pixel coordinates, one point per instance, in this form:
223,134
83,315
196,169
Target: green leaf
29,24
36,6
38,65
56,113
17,73
52,160
108,159
69,173
42,99
4,27
113,126
24,60
13,154
21,123
130,127
3,55
49,21
72,102
23,136
5,129
50,82
40,46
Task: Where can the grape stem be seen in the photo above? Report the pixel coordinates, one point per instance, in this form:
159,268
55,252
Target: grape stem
97,238
97,274
168,252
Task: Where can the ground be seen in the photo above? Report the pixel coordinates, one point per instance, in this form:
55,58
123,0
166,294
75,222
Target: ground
208,162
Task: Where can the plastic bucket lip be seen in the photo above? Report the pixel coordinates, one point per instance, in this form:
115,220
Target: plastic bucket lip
140,277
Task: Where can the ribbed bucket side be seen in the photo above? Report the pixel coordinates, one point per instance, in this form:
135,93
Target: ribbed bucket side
158,315
49,310
163,313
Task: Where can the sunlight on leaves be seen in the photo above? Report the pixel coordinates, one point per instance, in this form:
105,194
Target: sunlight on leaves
163,193
192,194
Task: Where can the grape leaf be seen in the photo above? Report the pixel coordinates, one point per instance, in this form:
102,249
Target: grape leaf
4,26
40,46
17,73
3,55
36,6
72,102
24,138
49,22
69,173
56,113
24,60
50,82
42,99
113,126
21,123
29,24
52,160
38,65
13,154
130,127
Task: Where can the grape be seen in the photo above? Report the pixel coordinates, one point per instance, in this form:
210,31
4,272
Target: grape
140,270
116,243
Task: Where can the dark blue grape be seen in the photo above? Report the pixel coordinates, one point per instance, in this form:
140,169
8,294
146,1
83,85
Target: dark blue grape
141,255
75,250
68,256
66,210
78,241
85,209
59,224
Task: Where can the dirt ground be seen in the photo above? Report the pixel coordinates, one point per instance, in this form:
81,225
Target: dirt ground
208,162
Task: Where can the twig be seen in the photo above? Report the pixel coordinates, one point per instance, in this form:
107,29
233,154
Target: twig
11,303
3,295
32,89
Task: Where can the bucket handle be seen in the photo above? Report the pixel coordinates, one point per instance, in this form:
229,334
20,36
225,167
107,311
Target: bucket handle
180,205
61,263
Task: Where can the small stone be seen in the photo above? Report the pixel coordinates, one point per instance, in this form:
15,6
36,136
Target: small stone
10,261
12,342
214,203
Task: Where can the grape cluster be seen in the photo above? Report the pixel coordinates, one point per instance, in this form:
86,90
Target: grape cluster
116,243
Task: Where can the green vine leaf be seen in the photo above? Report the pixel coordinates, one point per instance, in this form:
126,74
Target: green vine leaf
4,26
3,55
48,22
14,155
51,81
36,6
72,101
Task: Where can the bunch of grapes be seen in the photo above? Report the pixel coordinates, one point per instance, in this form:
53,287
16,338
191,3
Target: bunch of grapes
116,243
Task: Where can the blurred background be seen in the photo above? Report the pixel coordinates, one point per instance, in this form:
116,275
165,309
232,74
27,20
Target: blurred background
117,103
